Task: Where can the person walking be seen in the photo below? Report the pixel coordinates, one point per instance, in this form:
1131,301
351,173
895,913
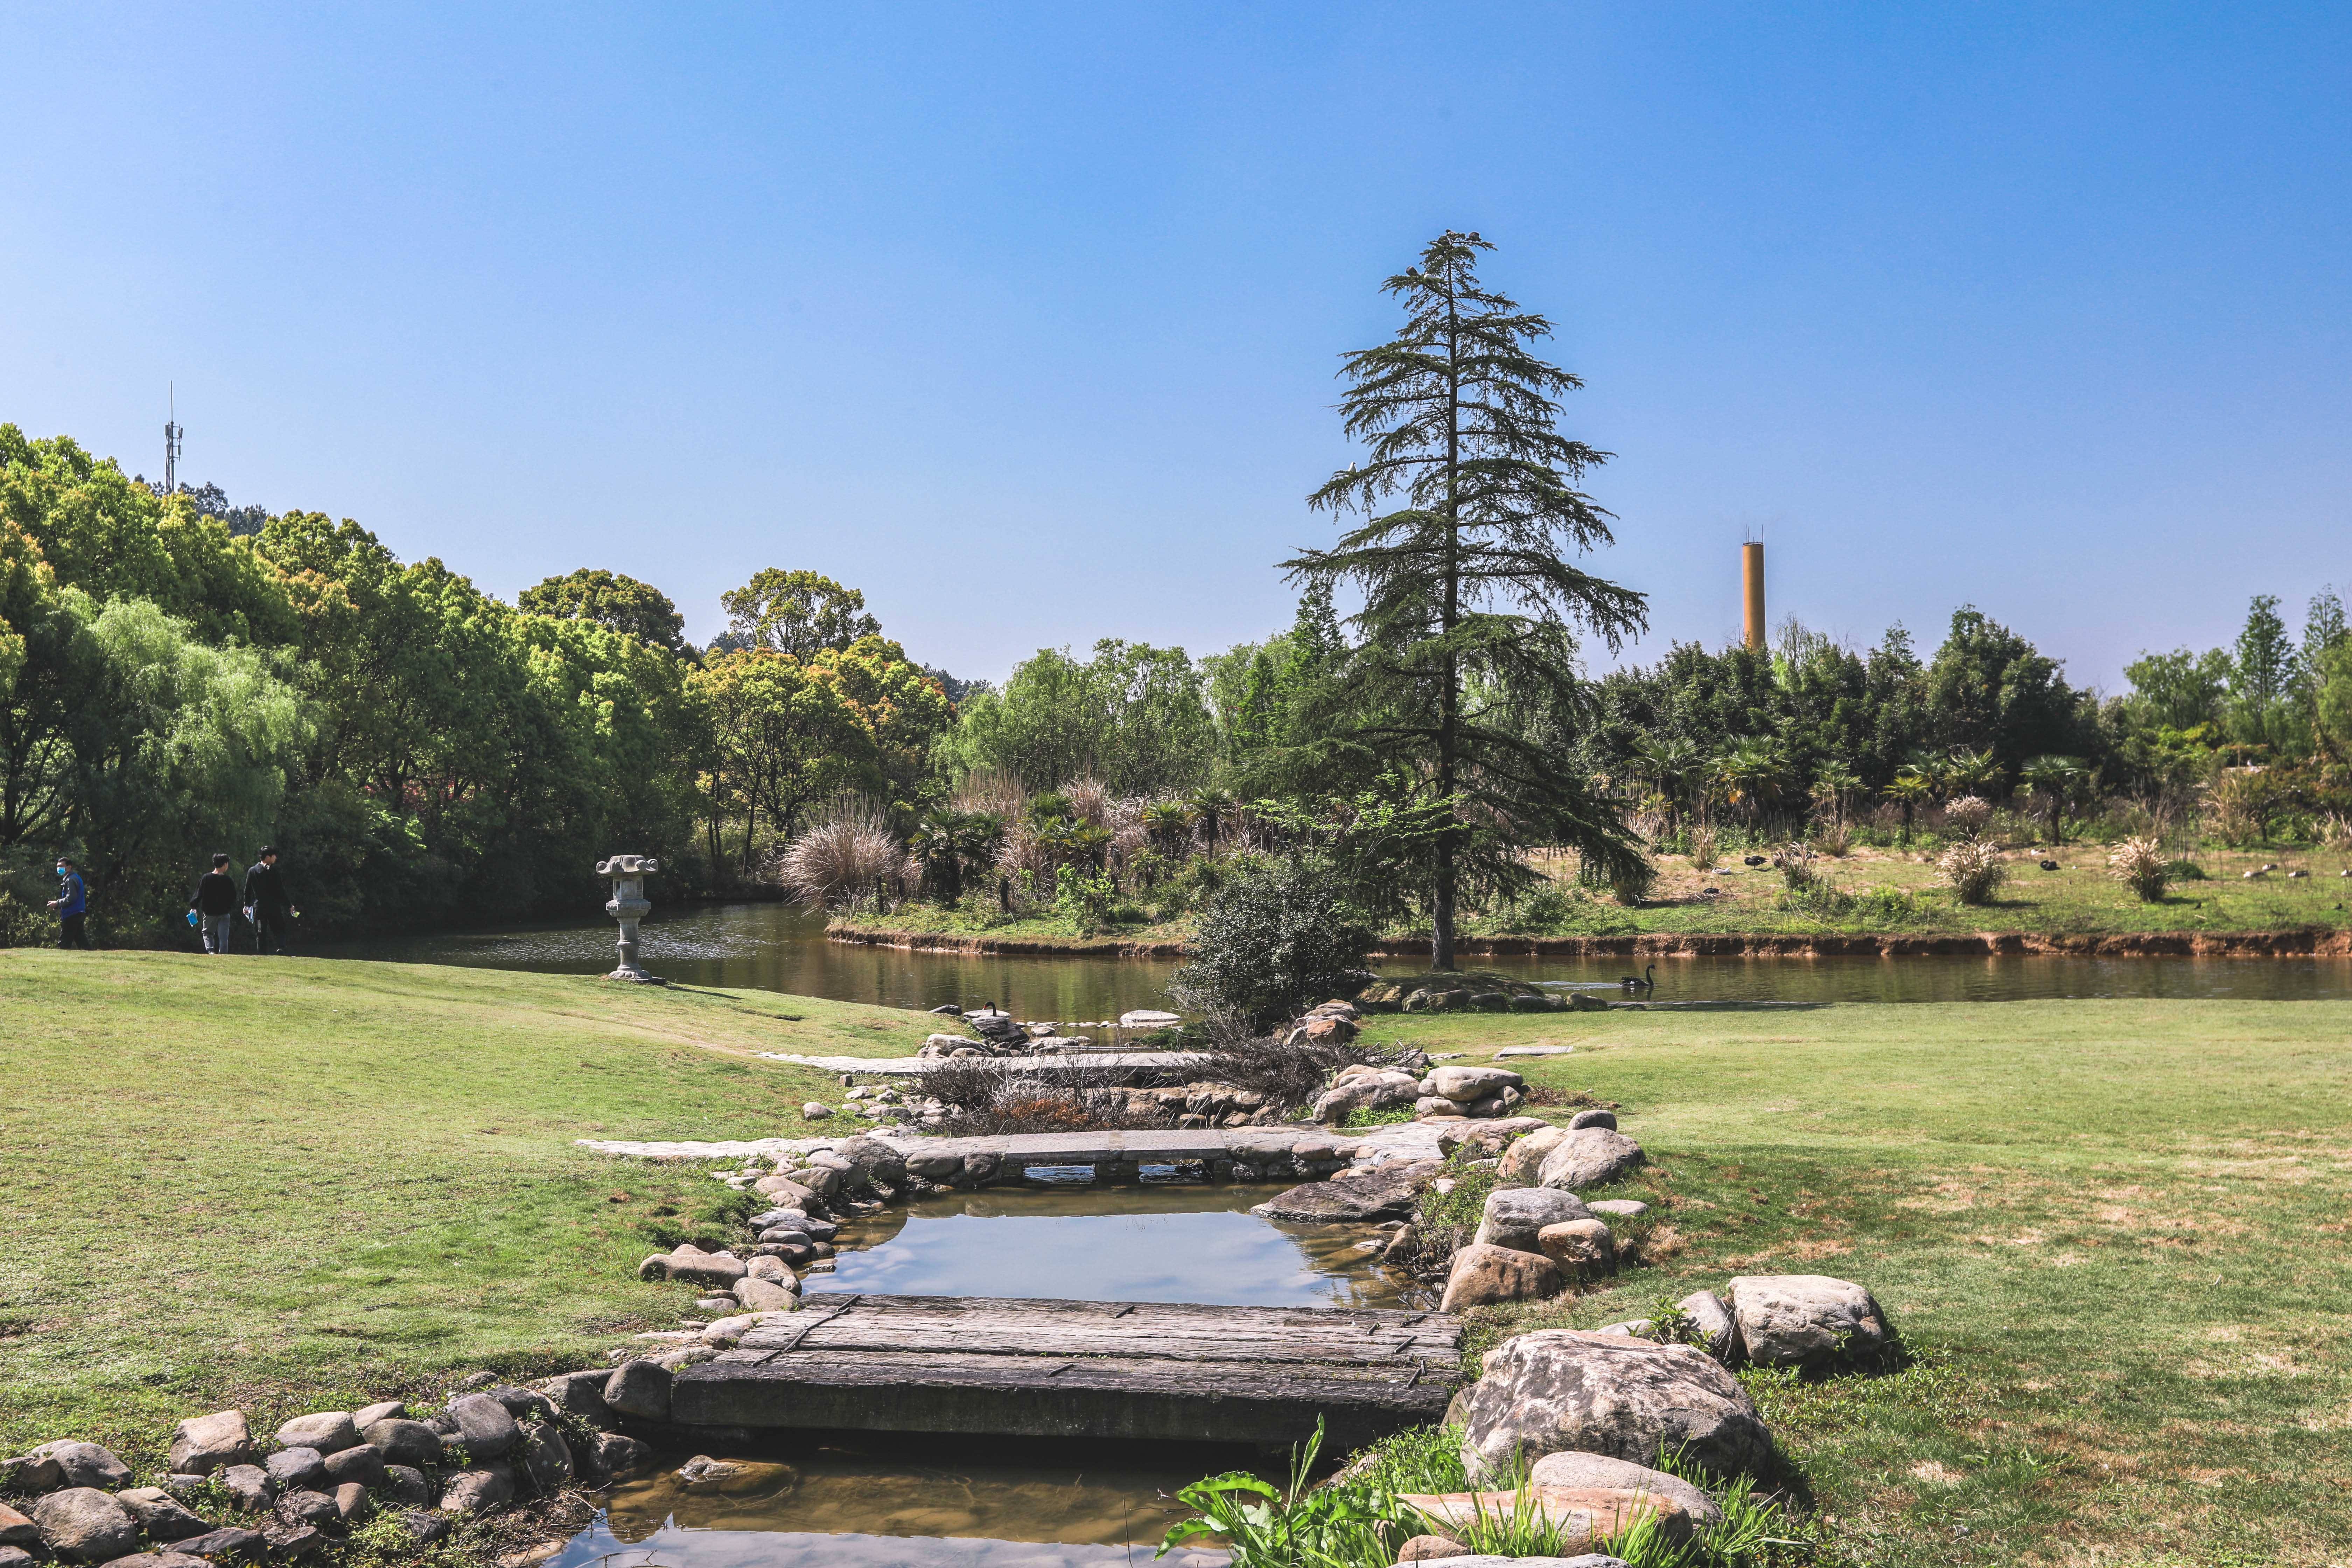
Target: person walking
215,903
267,904
72,904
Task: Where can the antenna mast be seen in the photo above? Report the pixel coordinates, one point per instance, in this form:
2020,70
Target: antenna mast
172,433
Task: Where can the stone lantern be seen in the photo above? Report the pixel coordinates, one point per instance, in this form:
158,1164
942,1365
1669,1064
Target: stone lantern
629,905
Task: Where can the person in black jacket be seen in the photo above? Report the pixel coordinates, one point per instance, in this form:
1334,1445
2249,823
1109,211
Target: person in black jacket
267,904
215,901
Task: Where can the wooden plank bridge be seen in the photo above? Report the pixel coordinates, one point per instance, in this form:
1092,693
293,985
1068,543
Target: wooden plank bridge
1081,1369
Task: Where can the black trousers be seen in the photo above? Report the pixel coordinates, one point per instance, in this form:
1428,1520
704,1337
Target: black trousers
273,932
73,931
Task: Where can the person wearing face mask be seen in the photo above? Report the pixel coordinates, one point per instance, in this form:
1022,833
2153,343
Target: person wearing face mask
72,905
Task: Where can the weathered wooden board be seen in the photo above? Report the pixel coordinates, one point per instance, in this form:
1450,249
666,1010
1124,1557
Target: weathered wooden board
1081,1369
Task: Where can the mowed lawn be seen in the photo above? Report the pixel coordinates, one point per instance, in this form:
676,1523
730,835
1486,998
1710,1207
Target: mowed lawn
300,1182
2114,1231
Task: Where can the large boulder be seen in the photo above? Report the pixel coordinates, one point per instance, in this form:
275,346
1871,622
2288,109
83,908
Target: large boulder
694,1265
1588,1157
83,1524
639,1388
1377,1090
363,1465
84,1464
1487,1140
249,1487
1788,1320
474,1491
295,1467
1581,1247
1465,1084
1484,1275
203,1443
160,1514
760,1295
872,1161
545,1457
326,1431
484,1426
1513,1215
1605,1394
1570,1468
404,1442
15,1530
1525,1158
227,1544
1378,1193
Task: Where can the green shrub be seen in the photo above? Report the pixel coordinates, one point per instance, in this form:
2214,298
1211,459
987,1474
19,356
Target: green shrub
1274,938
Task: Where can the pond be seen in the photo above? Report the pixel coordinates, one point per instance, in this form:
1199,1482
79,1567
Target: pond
779,947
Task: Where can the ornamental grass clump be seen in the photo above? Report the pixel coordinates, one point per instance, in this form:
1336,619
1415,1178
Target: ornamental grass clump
1702,849
2140,864
1973,869
1967,814
842,858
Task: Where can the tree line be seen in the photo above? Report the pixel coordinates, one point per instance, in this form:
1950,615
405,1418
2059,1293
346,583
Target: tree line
182,675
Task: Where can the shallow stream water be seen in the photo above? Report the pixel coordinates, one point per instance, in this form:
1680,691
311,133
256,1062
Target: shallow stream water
1163,1244
859,1501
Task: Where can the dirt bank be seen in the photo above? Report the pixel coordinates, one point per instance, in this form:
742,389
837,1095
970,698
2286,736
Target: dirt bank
2307,942
2311,941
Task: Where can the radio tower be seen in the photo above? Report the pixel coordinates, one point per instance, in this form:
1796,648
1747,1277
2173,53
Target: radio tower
172,433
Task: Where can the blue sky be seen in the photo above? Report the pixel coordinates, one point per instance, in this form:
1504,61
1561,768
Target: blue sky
1022,318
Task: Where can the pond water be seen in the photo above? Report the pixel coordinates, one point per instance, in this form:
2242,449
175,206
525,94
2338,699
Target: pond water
859,1501
778,947
1164,1243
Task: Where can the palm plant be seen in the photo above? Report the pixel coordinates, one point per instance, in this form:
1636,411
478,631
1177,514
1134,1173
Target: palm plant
1751,772
1210,807
2054,779
1910,789
950,845
1971,771
1671,761
1833,786
1168,824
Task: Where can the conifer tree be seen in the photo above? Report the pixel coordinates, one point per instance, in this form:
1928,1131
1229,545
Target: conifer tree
1471,607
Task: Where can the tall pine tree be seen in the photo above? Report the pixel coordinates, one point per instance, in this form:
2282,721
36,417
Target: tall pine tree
1470,605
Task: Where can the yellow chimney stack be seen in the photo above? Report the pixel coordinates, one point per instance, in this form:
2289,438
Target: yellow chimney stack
1751,573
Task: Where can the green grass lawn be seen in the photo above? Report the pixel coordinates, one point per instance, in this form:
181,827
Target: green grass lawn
295,1183
2114,1231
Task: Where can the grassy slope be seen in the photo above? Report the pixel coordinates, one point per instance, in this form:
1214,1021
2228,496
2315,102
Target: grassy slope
2117,1228
308,1179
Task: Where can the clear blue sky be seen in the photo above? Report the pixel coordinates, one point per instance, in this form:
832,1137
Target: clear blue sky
1022,318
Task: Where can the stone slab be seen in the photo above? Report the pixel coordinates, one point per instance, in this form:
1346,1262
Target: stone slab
1166,1372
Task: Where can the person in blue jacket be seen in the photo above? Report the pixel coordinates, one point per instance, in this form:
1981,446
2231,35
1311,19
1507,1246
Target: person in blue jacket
72,904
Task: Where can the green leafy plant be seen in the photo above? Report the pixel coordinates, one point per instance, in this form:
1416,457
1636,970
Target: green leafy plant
1089,902
1298,1526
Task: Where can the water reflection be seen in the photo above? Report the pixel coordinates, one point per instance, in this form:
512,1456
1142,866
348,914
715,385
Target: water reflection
904,1501
778,947
1194,1244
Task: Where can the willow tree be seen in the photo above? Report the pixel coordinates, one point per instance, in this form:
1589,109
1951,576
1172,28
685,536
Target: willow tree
1471,605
